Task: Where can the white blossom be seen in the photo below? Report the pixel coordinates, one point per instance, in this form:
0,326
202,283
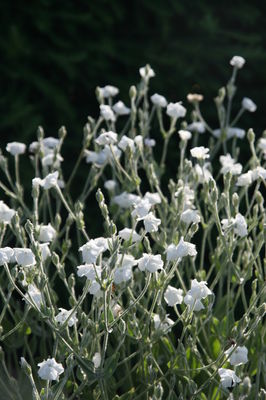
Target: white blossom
150,262
106,138
128,233
124,272
244,179
153,198
24,257
196,126
120,108
176,110
198,291
237,61
141,208
52,159
249,104
151,223
200,152
51,180
202,172
139,141
6,254
126,142
149,142
258,172
230,165
47,233
63,315
183,249
96,359
163,325
16,148
6,213
146,72
90,271
108,91
230,133
126,200
238,224
50,370
34,295
190,217
184,135
92,249
173,296
110,184
159,100
228,377
107,113
239,355
45,251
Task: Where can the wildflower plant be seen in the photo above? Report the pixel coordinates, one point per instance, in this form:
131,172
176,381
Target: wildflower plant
168,303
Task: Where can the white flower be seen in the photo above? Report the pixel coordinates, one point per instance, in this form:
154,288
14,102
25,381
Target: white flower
126,200
230,133
239,356
202,172
187,194
34,295
200,152
159,100
237,61
128,233
16,148
95,288
6,254
90,271
96,359
92,249
106,138
107,113
63,315
176,110
190,217
150,263
173,296
151,223
120,108
153,198
258,172
48,182
50,370
24,257
47,233
198,291
50,142
196,126
126,142
45,251
139,141
124,272
6,213
52,159
184,135
240,225
109,91
141,208
164,325
149,142
183,249
110,184
230,165
244,179
228,377
248,104
146,72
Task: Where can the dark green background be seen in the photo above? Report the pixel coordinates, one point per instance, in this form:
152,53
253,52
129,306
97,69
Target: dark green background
54,53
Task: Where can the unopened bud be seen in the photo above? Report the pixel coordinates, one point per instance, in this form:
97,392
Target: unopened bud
40,133
133,92
25,366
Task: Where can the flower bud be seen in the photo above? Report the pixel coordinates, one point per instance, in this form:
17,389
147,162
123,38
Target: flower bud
133,92
251,135
25,366
40,133
62,132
